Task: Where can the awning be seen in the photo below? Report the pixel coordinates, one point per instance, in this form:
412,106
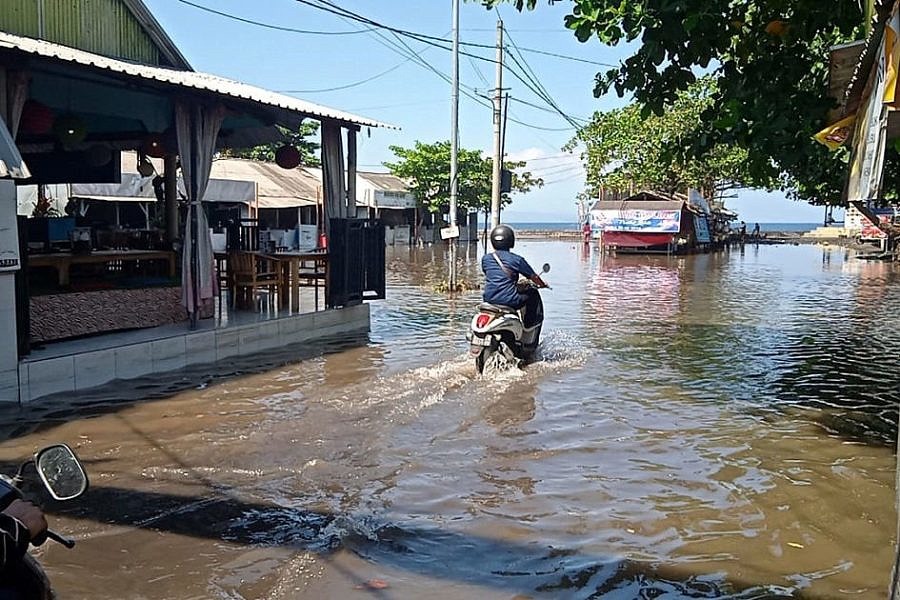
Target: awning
283,202
135,188
275,187
11,163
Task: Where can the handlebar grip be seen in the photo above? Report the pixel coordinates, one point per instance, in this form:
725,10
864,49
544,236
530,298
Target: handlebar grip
40,539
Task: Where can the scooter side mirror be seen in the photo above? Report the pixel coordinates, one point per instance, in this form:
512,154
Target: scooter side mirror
545,268
61,472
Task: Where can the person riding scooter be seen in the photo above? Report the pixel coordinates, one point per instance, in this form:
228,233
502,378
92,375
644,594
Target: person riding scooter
20,523
502,269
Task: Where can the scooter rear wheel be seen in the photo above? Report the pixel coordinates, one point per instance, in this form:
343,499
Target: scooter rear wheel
482,358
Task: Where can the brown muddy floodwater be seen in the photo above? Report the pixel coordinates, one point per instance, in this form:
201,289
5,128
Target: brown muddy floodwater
709,426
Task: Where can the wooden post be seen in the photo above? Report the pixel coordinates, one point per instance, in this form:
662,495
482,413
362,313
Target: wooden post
351,172
170,189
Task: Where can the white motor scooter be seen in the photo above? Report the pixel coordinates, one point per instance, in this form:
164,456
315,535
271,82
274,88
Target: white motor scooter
498,336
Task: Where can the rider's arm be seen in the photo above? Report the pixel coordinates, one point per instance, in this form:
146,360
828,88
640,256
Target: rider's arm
538,281
19,523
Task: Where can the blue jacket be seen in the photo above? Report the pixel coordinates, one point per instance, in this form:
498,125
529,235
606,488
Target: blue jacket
500,287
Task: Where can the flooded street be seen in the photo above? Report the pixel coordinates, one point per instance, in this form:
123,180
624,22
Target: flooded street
707,426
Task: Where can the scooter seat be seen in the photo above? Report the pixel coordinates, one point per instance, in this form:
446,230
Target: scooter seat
497,308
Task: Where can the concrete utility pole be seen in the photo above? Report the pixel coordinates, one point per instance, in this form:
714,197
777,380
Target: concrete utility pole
454,146
498,131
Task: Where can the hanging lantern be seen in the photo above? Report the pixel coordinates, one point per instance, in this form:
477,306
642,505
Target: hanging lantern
287,157
154,145
98,155
36,119
69,129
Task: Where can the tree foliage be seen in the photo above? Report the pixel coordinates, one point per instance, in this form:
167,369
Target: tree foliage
626,150
768,59
304,139
427,168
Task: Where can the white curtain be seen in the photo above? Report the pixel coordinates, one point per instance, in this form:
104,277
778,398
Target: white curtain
11,163
17,84
197,127
335,204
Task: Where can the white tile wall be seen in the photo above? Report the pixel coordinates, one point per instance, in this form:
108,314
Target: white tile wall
94,368
227,343
168,354
89,369
200,348
51,376
133,361
9,386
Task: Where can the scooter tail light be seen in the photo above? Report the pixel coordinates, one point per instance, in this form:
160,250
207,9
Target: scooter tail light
482,320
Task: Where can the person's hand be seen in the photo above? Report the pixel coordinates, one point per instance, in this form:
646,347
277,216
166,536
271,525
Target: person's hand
29,515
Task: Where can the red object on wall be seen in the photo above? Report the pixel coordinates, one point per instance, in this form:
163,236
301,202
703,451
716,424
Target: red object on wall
36,119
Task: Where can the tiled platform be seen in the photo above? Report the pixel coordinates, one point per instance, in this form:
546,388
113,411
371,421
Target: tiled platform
81,364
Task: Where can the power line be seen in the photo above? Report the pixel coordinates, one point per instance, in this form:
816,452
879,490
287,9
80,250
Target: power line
435,41
552,157
543,108
542,93
560,180
349,85
398,105
269,25
409,53
559,170
337,10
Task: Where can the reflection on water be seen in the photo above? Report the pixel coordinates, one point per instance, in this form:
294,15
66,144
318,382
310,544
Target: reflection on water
708,426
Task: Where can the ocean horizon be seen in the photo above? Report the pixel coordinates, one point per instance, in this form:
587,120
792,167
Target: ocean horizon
793,227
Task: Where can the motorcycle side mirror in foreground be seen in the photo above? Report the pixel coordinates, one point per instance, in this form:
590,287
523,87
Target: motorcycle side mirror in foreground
545,268
61,471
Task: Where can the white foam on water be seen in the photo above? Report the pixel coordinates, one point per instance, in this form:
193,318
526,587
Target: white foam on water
405,394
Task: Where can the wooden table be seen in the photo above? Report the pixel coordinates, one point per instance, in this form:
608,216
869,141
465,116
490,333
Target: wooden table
294,274
63,261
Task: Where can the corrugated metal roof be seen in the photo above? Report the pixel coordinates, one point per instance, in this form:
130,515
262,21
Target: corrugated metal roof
134,188
159,36
644,200
638,205
201,82
384,181
276,187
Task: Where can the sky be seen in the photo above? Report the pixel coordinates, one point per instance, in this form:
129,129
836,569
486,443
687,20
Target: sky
416,98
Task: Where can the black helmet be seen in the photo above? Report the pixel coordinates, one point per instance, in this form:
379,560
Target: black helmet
503,237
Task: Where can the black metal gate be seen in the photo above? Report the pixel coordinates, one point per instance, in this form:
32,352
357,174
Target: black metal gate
23,306
356,262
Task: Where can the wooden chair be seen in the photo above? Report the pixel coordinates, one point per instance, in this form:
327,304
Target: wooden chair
250,272
313,273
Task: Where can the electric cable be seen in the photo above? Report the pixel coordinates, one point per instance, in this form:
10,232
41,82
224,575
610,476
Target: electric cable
349,85
338,10
532,76
436,41
269,25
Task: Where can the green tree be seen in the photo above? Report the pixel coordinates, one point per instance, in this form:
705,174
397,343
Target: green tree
427,169
768,58
625,150
304,139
